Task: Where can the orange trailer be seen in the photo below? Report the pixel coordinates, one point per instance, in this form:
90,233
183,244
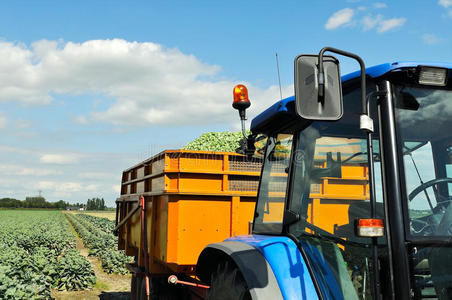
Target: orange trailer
191,199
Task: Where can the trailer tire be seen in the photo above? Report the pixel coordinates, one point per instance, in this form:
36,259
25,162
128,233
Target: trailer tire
159,290
140,288
133,286
227,283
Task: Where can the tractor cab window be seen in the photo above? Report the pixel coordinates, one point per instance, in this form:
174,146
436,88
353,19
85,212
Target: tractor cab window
273,185
330,191
424,122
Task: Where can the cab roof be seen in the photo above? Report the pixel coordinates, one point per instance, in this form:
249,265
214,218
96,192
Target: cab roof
283,111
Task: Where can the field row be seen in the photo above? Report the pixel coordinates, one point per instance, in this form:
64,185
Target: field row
97,235
37,253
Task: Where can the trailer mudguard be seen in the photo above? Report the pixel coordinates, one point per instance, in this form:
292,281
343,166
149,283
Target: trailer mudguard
272,267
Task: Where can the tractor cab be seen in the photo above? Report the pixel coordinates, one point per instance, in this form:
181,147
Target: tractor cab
370,210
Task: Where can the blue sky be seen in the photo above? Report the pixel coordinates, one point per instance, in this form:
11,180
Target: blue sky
89,88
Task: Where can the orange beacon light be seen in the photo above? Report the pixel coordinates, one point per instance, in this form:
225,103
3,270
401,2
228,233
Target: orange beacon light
241,101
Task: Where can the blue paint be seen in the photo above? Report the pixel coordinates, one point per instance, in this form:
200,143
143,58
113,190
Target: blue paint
286,106
280,107
286,262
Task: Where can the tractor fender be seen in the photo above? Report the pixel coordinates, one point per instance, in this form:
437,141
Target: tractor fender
255,269
263,260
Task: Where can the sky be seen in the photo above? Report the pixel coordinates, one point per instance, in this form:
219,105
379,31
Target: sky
89,88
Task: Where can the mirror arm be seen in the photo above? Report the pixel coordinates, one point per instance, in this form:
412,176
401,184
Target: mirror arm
363,74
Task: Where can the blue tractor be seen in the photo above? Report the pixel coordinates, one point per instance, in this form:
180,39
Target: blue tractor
394,121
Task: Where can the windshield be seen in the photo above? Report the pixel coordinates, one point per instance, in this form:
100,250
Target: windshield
424,125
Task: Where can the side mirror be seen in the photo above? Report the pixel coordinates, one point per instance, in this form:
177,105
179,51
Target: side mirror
318,97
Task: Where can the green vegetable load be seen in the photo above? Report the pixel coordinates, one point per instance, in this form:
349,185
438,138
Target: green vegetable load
216,141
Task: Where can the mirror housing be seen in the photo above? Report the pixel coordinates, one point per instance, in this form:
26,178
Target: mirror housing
314,101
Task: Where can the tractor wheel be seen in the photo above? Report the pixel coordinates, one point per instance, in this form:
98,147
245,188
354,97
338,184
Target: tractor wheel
227,283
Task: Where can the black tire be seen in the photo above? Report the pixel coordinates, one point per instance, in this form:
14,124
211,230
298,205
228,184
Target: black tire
227,283
164,291
139,291
133,286
159,290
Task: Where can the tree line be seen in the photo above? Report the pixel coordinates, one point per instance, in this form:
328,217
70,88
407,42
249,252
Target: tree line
32,202
41,202
96,204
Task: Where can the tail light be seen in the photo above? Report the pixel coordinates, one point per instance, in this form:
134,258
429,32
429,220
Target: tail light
370,228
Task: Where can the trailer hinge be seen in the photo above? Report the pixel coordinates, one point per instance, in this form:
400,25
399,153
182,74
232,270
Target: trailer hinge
174,280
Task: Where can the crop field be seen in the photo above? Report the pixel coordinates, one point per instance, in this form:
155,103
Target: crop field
37,253
107,214
39,257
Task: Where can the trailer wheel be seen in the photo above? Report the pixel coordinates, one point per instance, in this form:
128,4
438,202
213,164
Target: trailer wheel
133,286
160,290
140,288
227,283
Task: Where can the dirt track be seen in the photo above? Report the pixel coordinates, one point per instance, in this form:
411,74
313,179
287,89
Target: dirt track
108,286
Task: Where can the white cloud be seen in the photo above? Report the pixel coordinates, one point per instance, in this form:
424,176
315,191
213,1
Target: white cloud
344,17
60,187
22,124
23,174
20,170
445,3
97,175
15,150
380,5
13,123
59,158
339,18
389,24
3,121
149,84
430,39
116,188
380,23
82,120
93,188
369,22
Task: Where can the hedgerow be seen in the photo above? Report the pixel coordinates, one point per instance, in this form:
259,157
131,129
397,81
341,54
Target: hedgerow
37,253
97,235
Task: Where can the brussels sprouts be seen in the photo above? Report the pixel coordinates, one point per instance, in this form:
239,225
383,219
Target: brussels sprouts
37,252
216,141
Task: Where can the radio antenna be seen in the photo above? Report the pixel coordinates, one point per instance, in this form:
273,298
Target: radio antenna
279,78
